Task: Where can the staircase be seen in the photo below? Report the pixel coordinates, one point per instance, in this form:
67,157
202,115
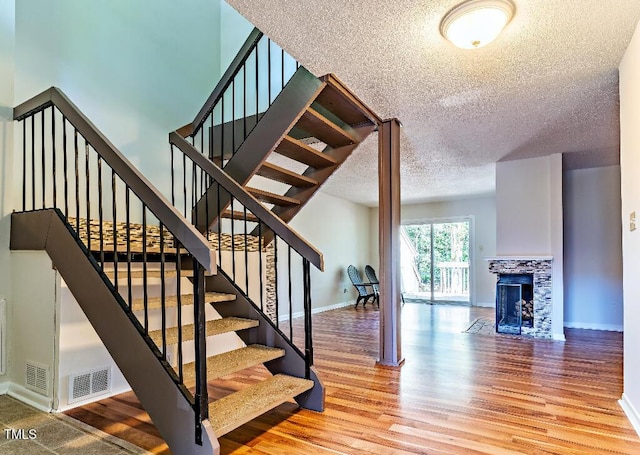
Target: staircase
283,155
165,290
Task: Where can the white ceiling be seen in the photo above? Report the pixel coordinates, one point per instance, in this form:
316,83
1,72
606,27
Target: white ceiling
548,84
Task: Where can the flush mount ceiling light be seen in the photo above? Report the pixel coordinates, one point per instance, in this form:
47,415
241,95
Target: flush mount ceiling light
476,23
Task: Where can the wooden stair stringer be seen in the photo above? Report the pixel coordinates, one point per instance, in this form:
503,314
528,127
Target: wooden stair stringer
292,363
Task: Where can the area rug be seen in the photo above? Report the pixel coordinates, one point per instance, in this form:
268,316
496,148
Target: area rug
482,326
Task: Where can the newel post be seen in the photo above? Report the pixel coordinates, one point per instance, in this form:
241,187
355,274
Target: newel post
389,241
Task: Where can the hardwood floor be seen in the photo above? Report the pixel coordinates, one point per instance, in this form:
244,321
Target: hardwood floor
457,393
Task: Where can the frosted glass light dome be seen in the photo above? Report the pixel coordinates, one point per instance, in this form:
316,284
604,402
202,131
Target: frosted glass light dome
476,23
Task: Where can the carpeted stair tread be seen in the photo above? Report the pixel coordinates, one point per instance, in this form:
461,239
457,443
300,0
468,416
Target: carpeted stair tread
213,327
186,299
232,411
233,361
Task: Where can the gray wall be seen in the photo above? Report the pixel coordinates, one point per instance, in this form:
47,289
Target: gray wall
593,249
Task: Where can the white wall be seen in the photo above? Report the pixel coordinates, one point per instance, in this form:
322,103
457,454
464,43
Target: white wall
529,218
32,316
138,69
339,229
592,249
483,212
7,38
630,193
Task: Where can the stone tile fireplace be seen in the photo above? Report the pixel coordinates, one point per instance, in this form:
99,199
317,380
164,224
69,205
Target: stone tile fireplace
523,308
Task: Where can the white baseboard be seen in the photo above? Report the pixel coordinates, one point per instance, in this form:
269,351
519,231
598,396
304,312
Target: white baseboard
4,388
486,304
321,309
631,412
592,326
558,337
31,398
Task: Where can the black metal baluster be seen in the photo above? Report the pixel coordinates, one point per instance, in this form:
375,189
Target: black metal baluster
100,219
194,186
260,264
275,268
65,165
219,225
163,295
77,162
222,129
24,165
257,87
145,295
128,229
233,116
179,302
44,203
290,299
212,138
115,230
246,253
33,163
244,101
269,69
233,242
308,339
53,154
201,395
184,184
282,73
88,194
173,192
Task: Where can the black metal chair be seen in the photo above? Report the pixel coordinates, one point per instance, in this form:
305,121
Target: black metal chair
361,287
373,279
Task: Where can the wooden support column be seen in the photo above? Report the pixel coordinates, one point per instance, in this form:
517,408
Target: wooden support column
389,241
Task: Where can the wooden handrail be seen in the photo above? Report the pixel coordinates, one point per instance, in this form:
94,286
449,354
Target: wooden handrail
272,221
227,77
192,240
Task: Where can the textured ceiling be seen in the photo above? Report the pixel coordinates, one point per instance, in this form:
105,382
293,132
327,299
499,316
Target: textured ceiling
548,84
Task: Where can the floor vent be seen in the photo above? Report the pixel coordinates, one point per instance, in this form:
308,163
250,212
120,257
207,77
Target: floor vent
89,384
37,378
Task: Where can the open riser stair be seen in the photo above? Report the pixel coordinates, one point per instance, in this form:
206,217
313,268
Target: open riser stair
205,282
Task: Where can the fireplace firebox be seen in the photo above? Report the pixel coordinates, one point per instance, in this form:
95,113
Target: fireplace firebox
514,302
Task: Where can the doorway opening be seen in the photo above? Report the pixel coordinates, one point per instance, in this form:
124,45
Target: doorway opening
435,262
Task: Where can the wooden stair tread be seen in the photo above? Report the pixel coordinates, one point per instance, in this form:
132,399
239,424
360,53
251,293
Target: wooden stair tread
213,327
272,198
303,153
233,361
323,129
185,299
232,411
337,98
280,174
239,216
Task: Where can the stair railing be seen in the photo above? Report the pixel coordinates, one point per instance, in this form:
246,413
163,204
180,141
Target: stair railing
255,77
121,219
271,275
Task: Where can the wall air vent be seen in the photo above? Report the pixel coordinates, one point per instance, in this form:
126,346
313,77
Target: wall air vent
37,378
89,384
